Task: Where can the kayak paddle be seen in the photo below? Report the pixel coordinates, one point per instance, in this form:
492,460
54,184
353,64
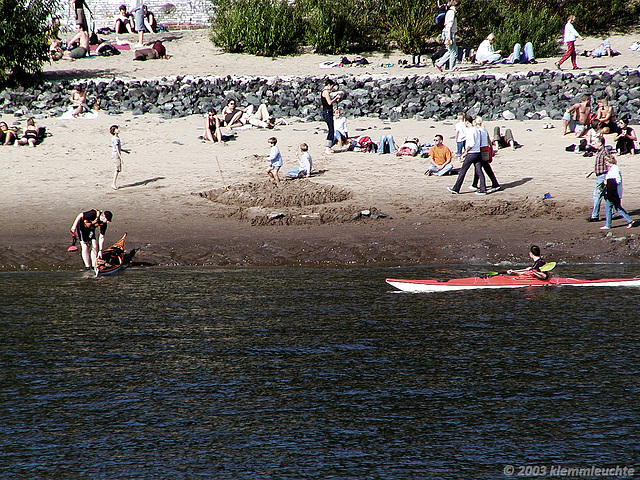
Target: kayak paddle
545,268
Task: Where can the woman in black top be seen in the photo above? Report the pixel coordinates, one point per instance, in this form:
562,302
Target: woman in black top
327,112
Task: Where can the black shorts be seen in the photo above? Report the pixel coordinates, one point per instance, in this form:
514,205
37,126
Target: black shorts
86,234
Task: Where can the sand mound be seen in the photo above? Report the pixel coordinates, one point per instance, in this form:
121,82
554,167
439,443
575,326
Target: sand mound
297,193
294,202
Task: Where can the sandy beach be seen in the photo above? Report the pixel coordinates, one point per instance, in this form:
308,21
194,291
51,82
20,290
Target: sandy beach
170,178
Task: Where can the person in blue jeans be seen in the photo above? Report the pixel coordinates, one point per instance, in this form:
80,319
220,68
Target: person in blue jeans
449,37
613,194
521,56
386,144
600,170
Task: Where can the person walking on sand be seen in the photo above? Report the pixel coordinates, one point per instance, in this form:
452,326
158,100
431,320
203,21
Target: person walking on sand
472,156
613,194
84,229
327,100
600,170
569,39
534,270
275,160
116,153
449,38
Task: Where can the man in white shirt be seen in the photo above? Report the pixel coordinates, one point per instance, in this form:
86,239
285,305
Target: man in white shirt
449,37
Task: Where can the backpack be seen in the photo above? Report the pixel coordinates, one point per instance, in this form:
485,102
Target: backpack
108,50
366,144
441,11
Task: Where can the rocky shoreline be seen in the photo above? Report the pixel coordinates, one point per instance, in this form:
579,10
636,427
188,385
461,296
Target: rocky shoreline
523,96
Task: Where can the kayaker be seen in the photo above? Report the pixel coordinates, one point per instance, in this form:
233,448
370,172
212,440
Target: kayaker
84,228
533,270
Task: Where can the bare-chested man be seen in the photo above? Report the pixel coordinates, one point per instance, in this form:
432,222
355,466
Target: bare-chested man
576,118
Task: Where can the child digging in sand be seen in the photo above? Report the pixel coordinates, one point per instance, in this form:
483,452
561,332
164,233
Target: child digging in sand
275,159
116,153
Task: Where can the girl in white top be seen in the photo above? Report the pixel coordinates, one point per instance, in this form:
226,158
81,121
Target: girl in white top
569,39
461,129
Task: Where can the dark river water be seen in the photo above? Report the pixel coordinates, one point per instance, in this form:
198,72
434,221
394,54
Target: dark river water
313,374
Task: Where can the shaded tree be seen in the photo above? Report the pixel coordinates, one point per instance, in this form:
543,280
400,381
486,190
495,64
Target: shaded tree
24,31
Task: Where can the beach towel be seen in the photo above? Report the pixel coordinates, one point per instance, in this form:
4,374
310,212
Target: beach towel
90,115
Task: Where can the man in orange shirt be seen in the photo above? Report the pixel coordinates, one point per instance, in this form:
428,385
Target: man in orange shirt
440,157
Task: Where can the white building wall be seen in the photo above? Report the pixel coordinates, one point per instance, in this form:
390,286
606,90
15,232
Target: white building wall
173,13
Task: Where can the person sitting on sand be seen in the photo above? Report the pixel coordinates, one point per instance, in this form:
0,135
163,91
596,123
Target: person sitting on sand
212,131
79,100
123,21
30,135
81,49
55,42
625,138
275,160
150,24
304,168
439,157
503,141
576,117
593,134
533,270
486,55
84,229
231,115
604,114
7,135
341,133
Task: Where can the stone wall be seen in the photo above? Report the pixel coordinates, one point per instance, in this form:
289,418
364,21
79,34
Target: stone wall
419,96
173,13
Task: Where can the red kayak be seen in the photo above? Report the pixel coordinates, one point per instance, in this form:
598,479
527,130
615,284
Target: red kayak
504,281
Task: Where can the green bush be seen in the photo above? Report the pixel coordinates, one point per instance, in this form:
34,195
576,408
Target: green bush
331,25
24,38
259,27
538,26
410,23
334,26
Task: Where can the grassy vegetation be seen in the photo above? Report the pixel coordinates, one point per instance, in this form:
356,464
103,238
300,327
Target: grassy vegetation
277,27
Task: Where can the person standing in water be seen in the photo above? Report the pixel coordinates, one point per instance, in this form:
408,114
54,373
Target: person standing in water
84,228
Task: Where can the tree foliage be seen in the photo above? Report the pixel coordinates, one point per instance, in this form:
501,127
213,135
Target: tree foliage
24,41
